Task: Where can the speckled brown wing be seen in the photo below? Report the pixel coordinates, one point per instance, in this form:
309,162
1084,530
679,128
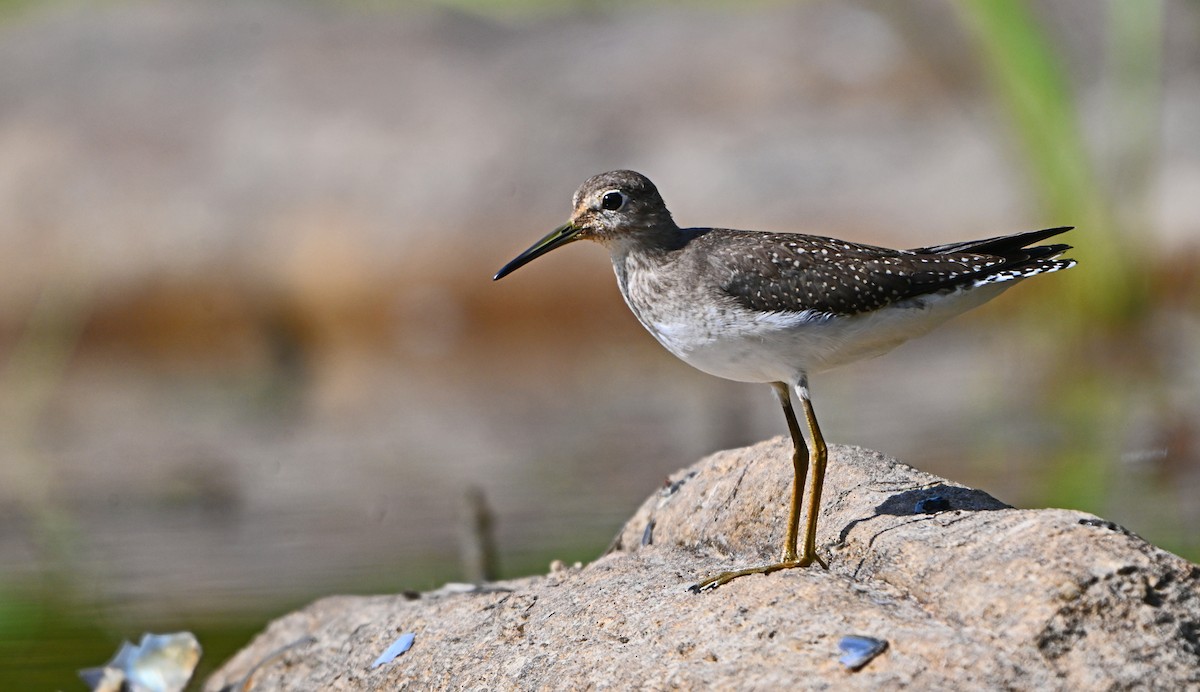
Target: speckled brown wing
786,272
773,272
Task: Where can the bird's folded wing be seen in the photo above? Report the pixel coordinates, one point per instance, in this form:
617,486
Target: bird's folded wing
835,277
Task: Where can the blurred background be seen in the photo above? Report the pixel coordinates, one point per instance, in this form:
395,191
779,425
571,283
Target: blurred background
251,353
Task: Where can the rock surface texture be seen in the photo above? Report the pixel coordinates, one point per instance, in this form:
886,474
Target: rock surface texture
976,595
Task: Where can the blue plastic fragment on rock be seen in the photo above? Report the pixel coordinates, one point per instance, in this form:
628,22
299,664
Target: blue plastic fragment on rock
932,505
402,644
857,651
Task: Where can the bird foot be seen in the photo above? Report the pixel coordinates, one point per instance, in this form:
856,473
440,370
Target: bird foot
726,577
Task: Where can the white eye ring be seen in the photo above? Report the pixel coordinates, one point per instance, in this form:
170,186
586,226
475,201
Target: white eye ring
612,200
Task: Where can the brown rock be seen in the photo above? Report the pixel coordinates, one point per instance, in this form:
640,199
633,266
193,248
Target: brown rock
979,595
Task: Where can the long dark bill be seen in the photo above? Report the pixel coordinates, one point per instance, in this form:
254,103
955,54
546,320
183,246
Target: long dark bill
560,236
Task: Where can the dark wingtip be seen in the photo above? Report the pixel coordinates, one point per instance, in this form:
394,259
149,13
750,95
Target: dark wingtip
999,245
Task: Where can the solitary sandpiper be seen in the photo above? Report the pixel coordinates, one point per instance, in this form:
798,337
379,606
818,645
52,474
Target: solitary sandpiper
773,307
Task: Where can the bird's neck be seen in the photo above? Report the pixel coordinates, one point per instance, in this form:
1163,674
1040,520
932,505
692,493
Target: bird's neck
638,260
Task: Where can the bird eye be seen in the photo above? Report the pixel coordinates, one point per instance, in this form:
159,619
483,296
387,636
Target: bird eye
612,200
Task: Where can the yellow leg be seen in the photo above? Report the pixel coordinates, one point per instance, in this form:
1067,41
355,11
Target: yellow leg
820,454
799,471
801,458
